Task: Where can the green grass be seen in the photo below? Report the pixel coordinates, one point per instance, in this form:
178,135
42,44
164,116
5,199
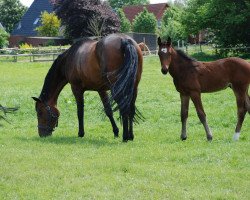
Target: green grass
156,165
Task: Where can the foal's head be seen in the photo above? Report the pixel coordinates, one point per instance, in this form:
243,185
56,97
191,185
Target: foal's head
47,117
164,53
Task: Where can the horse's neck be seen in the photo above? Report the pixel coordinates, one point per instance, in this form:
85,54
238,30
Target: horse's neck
178,65
53,85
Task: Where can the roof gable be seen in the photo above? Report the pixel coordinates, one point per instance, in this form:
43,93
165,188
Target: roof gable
29,21
156,9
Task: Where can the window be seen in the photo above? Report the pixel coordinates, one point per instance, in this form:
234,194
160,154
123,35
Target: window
19,26
36,21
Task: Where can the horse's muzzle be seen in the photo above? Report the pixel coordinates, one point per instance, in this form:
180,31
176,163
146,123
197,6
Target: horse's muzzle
164,71
44,132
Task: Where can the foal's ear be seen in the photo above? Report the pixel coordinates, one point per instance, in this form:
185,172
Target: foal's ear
159,41
169,41
36,99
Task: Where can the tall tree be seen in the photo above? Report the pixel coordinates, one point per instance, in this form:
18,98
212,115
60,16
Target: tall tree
116,4
228,20
84,18
125,23
172,25
145,22
11,13
50,25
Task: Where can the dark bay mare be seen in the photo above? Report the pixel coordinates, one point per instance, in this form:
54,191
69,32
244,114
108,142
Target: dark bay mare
191,78
114,63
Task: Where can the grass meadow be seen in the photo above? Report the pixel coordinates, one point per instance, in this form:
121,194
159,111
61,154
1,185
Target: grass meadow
156,165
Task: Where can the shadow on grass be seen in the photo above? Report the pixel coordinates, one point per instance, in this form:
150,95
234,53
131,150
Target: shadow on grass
73,140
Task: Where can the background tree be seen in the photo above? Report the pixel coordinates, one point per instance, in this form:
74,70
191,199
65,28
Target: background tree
50,25
125,23
145,22
172,24
11,13
4,36
116,4
228,20
85,18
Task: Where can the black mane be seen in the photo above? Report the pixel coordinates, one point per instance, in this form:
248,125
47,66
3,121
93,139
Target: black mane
185,56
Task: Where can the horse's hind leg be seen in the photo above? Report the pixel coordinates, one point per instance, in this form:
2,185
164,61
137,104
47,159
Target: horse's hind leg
78,93
108,110
184,115
240,93
131,117
196,98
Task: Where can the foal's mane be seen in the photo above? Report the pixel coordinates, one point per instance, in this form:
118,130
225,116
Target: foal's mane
185,56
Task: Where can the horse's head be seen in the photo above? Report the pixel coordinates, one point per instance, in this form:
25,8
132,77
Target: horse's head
164,53
47,116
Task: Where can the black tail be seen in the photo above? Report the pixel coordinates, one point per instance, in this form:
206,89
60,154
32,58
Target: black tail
122,90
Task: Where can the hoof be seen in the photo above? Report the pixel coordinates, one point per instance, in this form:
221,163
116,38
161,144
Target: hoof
183,138
80,135
236,137
209,138
116,133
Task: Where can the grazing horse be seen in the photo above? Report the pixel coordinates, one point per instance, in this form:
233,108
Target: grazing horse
113,63
191,78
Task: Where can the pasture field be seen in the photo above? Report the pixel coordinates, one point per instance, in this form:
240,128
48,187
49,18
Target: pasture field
156,165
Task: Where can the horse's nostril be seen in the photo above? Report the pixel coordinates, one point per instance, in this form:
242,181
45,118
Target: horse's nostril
164,71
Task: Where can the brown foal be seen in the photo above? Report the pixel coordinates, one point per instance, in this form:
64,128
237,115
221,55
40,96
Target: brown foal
191,78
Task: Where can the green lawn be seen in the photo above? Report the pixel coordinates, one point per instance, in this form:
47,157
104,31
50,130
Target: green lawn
156,165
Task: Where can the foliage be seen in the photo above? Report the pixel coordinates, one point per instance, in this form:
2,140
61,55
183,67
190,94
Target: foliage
116,4
125,23
228,20
11,13
145,22
50,25
25,46
156,165
84,18
4,36
172,25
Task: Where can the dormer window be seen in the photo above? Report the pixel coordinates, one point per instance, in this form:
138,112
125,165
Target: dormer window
36,21
19,26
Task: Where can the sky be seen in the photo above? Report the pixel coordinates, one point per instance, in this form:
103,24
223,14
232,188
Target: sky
29,2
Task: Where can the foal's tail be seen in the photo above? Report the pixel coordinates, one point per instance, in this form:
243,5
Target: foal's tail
122,90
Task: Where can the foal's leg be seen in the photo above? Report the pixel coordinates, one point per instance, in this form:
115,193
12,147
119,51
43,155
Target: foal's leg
240,94
196,98
108,110
78,93
184,115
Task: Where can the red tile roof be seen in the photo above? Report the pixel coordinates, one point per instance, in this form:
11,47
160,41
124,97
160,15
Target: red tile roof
156,9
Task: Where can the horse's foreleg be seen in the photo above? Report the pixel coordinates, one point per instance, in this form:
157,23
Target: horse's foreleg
78,93
108,110
242,109
196,98
184,115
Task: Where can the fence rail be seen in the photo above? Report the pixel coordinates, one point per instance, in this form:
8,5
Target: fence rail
42,54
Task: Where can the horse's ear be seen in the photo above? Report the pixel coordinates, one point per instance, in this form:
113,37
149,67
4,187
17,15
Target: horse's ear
169,41
159,41
36,99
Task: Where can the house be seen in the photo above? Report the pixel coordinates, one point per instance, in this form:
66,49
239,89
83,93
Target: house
1,26
25,29
157,9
